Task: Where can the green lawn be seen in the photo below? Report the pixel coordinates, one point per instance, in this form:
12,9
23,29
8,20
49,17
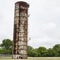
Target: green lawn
32,58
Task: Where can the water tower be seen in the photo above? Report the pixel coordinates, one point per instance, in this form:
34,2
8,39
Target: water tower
20,38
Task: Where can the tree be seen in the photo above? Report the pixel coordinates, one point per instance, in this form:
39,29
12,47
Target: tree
56,48
51,52
6,43
42,51
32,52
6,46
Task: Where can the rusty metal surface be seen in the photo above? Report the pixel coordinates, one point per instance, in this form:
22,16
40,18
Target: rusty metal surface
20,30
22,3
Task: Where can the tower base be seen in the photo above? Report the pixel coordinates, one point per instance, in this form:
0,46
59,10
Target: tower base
19,56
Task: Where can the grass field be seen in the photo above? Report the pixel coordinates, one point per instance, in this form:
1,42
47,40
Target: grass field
32,58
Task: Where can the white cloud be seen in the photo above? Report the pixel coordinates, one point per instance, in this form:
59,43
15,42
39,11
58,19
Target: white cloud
44,21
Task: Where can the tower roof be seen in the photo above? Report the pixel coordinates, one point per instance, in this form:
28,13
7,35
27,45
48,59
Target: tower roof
23,3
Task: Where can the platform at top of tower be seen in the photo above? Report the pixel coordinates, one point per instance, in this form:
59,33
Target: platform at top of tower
22,3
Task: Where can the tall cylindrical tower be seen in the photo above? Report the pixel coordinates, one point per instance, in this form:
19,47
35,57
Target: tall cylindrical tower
20,30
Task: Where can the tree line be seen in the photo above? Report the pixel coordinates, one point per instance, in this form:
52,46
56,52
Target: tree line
6,48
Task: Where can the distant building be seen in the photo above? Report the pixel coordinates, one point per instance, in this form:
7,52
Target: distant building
20,30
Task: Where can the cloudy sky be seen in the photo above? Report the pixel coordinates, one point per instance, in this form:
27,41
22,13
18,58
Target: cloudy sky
44,21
